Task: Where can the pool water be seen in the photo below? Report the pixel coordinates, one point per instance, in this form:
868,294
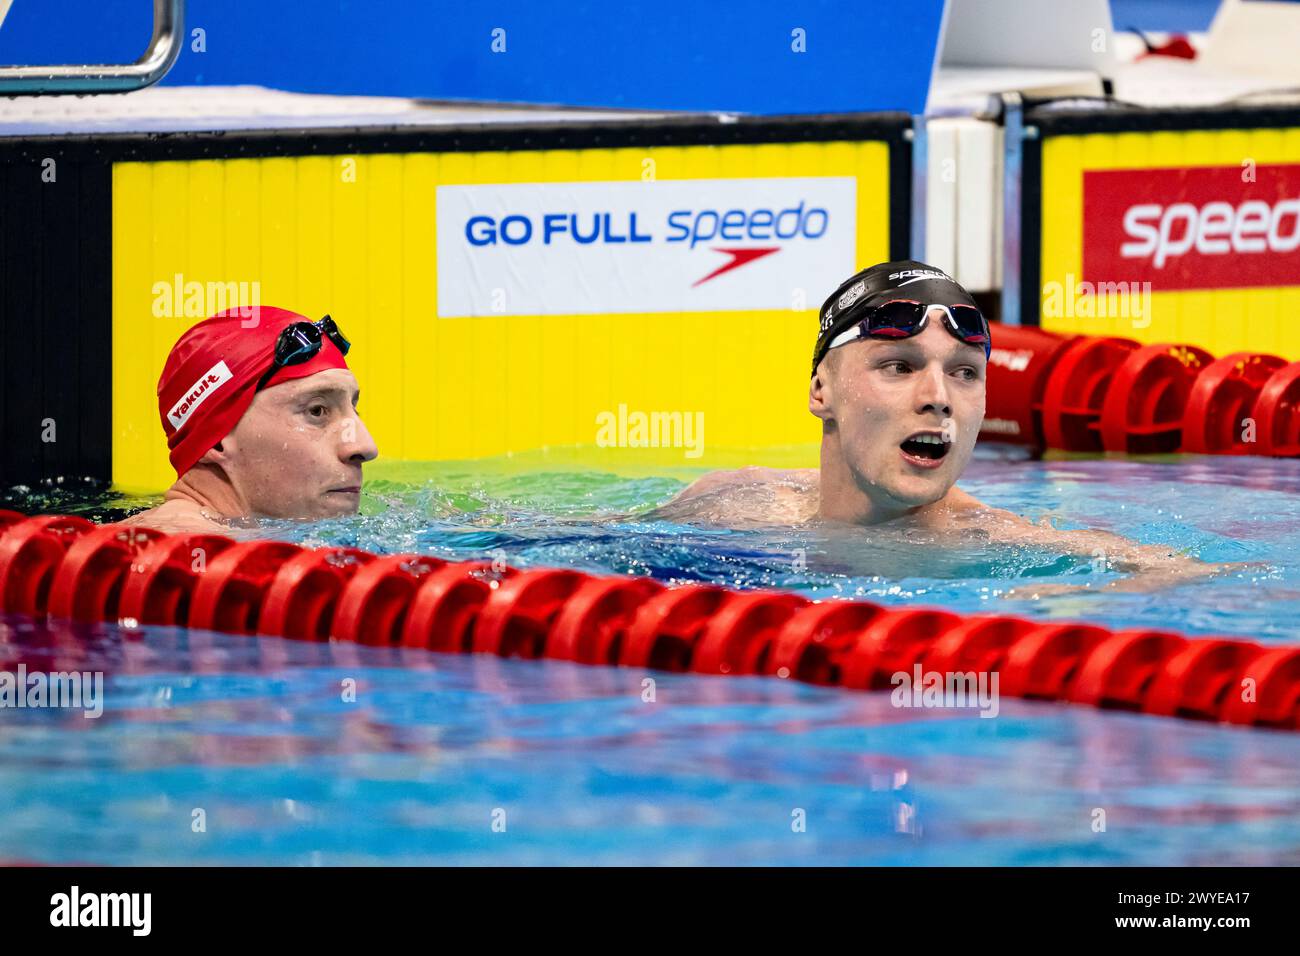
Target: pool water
294,753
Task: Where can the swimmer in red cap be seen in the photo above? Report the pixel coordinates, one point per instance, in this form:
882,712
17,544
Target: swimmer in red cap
261,418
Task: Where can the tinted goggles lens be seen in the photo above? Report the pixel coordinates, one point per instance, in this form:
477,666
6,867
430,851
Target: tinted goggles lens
903,318
296,344
300,341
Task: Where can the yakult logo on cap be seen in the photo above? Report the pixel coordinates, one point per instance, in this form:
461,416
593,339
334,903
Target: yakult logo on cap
198,393
1194,228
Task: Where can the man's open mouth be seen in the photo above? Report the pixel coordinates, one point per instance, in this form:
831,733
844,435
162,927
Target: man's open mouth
927,445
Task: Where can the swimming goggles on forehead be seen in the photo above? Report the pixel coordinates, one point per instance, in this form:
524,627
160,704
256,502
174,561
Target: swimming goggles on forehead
300,341
903,318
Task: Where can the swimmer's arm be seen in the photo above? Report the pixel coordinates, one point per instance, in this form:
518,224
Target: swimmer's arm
1147,567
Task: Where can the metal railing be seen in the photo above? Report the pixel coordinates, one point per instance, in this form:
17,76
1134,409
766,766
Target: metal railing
164,48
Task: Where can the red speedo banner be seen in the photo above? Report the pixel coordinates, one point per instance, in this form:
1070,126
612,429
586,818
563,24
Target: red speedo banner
1200,227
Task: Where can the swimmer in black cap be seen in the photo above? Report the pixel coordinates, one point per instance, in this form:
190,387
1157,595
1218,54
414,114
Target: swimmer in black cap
898,381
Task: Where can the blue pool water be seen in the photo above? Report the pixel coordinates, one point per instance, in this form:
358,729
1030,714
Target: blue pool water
444,759
256,734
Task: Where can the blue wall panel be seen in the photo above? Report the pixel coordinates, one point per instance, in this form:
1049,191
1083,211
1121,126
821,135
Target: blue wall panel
657,54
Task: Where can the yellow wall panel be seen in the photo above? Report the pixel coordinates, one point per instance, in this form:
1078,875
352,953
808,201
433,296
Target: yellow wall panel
355,236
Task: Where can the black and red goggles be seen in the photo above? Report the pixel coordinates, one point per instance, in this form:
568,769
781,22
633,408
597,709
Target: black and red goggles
903,318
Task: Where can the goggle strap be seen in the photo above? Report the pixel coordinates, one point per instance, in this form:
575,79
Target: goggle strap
845,337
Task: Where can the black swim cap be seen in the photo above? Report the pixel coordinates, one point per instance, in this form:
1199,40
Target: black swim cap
858,295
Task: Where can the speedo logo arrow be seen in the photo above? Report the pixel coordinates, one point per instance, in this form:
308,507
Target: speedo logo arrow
738,258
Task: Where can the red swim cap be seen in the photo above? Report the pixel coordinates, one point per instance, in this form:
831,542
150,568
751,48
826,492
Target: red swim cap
211,376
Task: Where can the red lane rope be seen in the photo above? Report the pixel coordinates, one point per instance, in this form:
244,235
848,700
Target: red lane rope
1105,393
66,567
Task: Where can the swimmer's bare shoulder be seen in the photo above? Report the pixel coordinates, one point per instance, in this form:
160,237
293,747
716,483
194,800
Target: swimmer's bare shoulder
965,508
178,517
746,496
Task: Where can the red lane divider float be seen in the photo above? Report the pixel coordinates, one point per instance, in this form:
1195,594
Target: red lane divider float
157,590
88,585
66,567
1277,413
30,551
228,594
372,607
1223,396
301,598
592,626
1144,406
1102,393
442,613
811,646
